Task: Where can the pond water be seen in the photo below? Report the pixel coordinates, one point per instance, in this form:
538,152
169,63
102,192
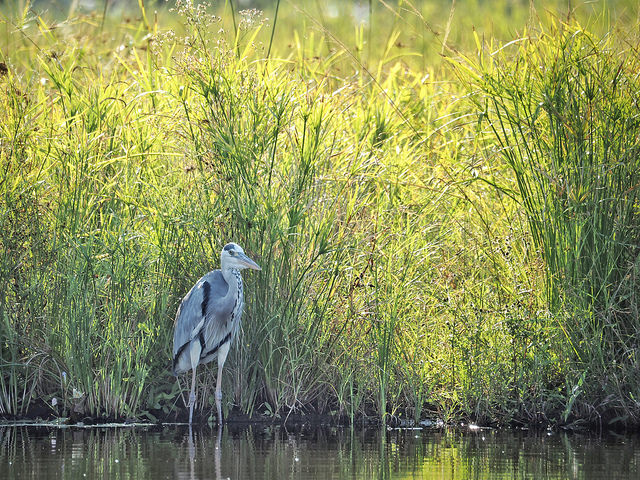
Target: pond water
266,452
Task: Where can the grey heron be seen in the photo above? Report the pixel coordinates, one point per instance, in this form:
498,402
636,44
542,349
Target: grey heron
208,319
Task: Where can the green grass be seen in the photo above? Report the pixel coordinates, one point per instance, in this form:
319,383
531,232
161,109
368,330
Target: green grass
397,181
564,111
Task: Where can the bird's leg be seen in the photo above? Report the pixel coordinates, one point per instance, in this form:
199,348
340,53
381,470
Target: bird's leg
223,351
192,395
194,354
219,393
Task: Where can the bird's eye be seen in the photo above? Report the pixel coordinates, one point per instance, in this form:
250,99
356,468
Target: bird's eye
232,252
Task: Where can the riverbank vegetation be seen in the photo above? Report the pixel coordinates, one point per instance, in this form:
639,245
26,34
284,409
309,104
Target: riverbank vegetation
443,201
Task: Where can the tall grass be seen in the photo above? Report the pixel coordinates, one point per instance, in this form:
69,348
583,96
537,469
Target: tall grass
85,295
562,104
396,280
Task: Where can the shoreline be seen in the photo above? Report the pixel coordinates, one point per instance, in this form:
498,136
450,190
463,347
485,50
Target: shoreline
296,421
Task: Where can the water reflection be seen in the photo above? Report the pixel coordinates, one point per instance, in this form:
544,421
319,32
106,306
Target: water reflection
266,452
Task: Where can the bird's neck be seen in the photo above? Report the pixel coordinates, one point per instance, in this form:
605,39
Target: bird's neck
234,281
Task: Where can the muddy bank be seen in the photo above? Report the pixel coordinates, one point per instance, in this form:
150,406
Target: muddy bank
41,413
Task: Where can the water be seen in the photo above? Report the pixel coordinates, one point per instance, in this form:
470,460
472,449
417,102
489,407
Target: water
265,452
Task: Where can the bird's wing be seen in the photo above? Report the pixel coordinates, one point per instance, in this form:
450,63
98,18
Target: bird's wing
219,323
200,311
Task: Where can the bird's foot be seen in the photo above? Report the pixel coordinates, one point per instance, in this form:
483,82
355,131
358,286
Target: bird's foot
219,407
219,419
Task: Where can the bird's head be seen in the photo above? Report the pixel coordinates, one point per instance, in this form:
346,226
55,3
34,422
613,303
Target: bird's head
233,256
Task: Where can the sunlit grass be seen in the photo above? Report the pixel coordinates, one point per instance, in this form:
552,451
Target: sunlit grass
404,270
564,110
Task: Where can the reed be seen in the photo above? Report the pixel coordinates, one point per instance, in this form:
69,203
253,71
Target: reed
418,258
562,106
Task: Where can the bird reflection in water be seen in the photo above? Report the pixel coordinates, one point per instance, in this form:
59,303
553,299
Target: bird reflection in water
217,453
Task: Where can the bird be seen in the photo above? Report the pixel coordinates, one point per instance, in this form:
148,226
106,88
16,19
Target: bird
208,320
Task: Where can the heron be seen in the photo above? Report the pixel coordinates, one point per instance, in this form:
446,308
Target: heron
208,319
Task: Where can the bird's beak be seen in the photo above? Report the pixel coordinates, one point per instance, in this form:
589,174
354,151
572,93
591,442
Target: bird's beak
247,262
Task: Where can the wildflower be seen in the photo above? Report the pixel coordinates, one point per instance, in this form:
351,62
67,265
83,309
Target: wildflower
250,18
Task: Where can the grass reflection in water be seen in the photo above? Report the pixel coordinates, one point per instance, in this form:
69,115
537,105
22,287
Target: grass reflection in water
275,453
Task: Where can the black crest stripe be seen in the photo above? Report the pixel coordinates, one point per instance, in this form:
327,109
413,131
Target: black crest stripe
206,290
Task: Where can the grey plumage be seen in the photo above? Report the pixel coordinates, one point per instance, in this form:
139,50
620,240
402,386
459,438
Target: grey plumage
208,319
203,312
